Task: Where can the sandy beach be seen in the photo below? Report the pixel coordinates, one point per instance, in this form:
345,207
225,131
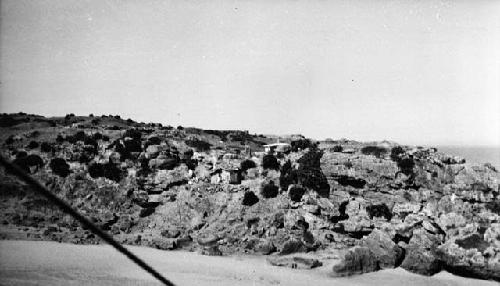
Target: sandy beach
52,263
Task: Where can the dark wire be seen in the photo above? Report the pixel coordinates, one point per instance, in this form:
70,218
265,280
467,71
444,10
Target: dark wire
40,189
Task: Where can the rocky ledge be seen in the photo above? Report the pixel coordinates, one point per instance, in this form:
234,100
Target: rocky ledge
375,205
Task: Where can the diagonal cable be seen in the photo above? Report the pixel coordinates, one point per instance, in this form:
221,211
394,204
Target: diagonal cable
42,190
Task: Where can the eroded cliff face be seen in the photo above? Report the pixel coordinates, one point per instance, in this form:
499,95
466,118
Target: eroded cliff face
380,205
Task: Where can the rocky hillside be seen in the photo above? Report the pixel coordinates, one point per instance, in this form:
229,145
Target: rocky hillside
376,205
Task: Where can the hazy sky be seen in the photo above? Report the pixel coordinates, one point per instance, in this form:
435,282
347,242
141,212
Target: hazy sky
417,72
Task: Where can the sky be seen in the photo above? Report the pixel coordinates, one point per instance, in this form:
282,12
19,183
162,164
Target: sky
414,72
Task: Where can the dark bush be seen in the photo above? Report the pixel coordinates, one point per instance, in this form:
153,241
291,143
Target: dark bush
351,181
34,160
21,154
301,144
376,151
188,154
59,167
105,138
91,142
95,121
199,145
133,145
269,190
84,158
380,210
249,199
97,136
79,136
288,176
296,192
247,164
180,128
337,148
112,172
396,153
494,206
25,162
133,133
310,175
406,166
270,162
96,170
60,138
46,147
33,145
153,141
9,140
22,163
34,134
120,148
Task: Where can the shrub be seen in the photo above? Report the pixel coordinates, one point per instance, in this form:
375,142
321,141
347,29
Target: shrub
249,199
351,181
60,138
9,140
79,136
133,145
33,145
337,148
153,141
59,167
493,206
21,154
374,150
288,176
120,148
97,136
133,133
199,145
309,173
108,170
301,144
380,210
25,162
296,192
96,170
406,166
396,153
270,162
95,121
269,190
247,164
46,147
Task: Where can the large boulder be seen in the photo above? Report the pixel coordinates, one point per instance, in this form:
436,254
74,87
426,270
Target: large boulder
421,254
471,256
357,260
386,252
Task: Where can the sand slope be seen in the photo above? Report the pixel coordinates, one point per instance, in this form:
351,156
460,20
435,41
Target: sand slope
52,263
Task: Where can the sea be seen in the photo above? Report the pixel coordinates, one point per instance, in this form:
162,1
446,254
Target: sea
474,154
